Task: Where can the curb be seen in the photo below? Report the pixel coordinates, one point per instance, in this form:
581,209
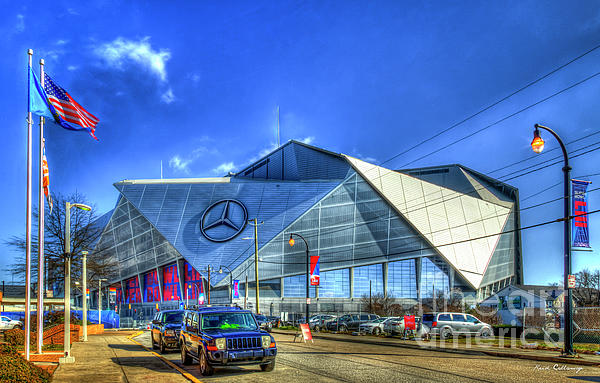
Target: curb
541,358
185,374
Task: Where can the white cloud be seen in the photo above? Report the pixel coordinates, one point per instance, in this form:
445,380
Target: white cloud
307,140
121,51
179,164
20,26
168,97
224,168
182,164
61,42
195,77
72,67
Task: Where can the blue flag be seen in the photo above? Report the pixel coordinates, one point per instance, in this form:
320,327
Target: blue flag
38,102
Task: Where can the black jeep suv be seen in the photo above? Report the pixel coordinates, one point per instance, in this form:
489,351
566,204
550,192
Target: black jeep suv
164,329
225,336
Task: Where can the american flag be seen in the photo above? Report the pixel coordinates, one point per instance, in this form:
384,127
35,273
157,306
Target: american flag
46,179
67,111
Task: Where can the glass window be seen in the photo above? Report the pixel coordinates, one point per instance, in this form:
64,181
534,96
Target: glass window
444,317
295,287
228,321
368,277
433,276
195,321
458,318
335,284
402,279
472,319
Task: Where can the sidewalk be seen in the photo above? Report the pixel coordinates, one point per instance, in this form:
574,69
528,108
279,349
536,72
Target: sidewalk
112,357
473,349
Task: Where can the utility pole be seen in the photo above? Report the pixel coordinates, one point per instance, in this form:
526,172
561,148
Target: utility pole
208,287
84,286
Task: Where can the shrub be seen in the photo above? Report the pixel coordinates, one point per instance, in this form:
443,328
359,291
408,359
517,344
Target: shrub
15,369
16,337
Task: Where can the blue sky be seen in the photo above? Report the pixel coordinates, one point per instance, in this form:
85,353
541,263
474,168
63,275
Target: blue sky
196,85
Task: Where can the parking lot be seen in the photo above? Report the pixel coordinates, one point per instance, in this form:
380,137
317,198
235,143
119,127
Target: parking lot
335,361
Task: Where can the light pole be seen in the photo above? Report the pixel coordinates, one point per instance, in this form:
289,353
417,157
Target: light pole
67,342
254,222
291,242
195,290
230,283
100,299
84,294
538,145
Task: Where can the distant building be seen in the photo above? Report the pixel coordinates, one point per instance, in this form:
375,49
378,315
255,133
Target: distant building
513,299
396,232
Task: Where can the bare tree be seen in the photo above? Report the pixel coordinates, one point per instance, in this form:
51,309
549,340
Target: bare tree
586,292
85,233
378,303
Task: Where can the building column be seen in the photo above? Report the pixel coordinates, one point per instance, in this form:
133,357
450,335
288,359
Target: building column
385,279
451,277
159,278
141,287
181,275
418,277
351,282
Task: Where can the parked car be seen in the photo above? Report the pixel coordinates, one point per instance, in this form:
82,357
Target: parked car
9,324
164,329
275,321
396,326
377,326
446,325
318,322
350,322
264,323
225,336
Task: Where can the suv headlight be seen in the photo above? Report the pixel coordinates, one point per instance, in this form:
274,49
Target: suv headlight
220,343
266,341
170,332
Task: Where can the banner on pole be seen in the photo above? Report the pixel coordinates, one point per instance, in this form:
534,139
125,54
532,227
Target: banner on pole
579,225
315,276
236,288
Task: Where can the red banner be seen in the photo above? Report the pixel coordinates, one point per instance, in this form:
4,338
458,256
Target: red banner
409,322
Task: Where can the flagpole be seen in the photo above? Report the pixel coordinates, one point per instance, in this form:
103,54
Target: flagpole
28,222
40,289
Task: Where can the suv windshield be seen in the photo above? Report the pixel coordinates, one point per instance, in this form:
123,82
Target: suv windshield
228,321
173,317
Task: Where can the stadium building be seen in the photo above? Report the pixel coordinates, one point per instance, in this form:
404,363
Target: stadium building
403,233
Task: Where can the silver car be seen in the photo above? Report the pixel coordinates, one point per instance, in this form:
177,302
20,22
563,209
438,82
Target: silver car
446,325
377,326
8,324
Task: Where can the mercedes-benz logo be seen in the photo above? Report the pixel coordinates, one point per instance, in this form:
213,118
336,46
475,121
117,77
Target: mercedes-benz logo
223,220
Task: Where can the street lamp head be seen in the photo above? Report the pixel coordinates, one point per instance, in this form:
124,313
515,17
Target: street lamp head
538,143
291,241
221,270
82,206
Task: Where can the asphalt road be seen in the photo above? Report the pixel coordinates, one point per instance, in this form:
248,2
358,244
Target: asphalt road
332,361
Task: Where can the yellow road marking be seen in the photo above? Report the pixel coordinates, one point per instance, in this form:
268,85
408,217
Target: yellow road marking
185,374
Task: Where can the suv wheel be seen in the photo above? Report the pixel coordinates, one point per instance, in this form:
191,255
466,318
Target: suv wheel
185,358
268,367
161,345
154,346
446,333
485,333
343,328
205,368
376,331
17,327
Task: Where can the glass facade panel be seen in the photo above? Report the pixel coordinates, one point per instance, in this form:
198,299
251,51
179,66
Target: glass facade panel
434,276
368,277
295,287
402,279
335,284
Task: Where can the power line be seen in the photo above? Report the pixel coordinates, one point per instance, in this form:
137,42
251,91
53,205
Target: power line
493,104
503,119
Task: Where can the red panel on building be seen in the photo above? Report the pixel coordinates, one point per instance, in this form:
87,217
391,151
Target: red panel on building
193,282
132,293
151,288
171,290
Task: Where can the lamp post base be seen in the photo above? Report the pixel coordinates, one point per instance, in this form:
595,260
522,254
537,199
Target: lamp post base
66,359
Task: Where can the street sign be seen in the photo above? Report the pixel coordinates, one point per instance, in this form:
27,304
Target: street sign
571,281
